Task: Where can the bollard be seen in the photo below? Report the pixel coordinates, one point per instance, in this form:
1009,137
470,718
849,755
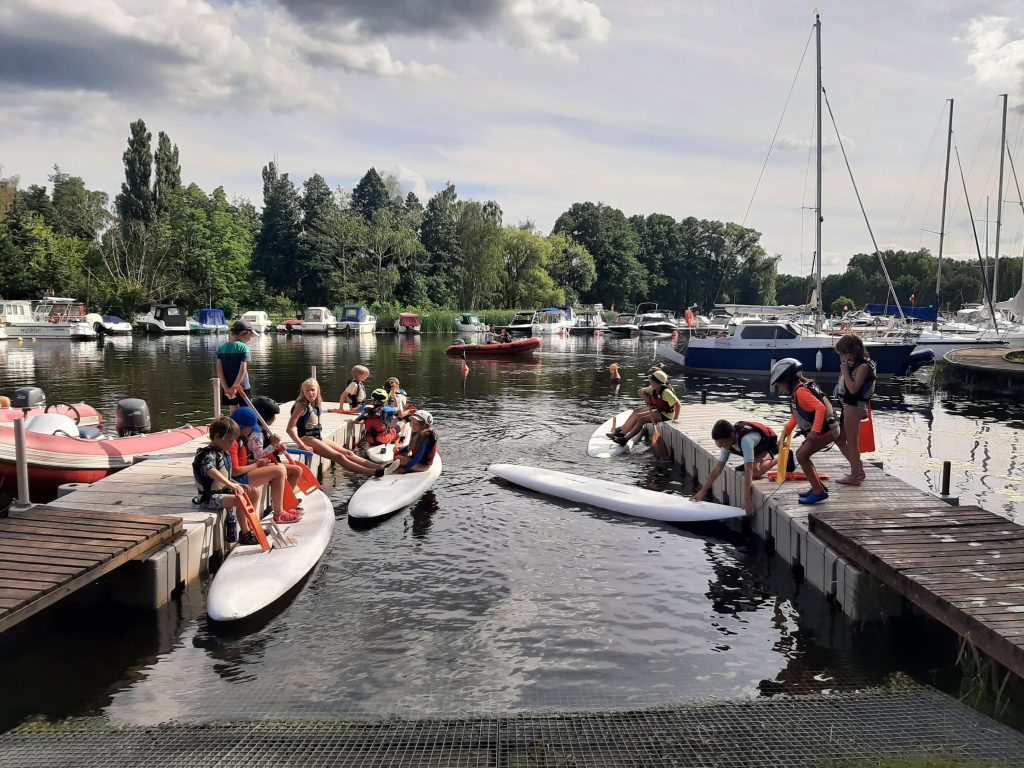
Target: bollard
216,397
21,461
312,373
945,478
703,397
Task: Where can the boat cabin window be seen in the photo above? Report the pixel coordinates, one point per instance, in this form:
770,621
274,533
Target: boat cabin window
753,331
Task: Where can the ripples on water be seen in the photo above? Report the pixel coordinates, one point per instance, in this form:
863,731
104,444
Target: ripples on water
483,597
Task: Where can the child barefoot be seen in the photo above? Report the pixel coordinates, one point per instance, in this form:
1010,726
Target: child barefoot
304,429
256,471
419,454
856,387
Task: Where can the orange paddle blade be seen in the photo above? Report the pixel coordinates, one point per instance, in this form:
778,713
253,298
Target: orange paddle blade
242,499
797,476
307,482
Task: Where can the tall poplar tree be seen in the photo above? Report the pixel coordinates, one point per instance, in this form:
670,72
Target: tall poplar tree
277,248
135,203
168,171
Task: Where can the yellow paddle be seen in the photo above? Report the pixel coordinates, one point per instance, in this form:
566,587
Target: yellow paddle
780,477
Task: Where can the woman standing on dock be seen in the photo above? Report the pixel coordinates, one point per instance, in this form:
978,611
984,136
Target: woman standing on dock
812,412
856,386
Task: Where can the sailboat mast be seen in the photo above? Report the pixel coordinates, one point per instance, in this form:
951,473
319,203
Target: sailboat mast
942,225
817,222
999,205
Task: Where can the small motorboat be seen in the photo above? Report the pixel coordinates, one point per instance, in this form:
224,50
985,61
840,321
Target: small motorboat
31,401
588,321
61,451
207,321
624,325
503,349
522,324
553,320
257,320
357,320
109,325
317,320
407,322
651,322
164,318
53,318
470,323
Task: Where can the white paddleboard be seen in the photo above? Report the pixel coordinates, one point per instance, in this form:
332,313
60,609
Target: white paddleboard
251,579
381,454
603,447
379,496
627,499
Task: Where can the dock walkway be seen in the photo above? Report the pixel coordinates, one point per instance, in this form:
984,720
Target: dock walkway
985,361
876,547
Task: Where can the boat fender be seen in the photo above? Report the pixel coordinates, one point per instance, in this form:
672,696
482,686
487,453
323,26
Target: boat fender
817,361
133,417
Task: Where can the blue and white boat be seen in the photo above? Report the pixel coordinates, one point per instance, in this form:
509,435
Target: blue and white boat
356,320
208,321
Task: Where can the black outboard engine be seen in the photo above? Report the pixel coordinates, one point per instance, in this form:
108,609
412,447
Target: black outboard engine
133,417
29,397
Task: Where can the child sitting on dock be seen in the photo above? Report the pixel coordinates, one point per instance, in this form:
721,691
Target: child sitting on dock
355,391
378,420
422,448
304,428
662,405
755,442
255,472
211,469
812,412
856,387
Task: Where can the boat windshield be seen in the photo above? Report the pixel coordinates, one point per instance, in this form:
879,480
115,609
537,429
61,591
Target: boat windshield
522,318
354,314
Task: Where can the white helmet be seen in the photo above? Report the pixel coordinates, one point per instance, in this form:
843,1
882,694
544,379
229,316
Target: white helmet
424,417
785,368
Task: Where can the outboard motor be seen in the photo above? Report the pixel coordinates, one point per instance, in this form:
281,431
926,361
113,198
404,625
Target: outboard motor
29,397
133,417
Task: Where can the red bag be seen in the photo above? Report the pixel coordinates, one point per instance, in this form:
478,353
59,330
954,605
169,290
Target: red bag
866,439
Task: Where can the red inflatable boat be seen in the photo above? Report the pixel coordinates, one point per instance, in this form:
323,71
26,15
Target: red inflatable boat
55,459
87,415
510,349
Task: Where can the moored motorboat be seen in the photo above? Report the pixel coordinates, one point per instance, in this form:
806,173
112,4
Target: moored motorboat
356,320
522,324
503,349
54,318
289,327
624,325
407,322
470,323
257,320
552,320
164,318
588,321
316,320
109,325
208,321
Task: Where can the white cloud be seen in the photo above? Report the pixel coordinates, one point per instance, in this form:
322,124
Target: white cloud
410,181
789,142
554,27
998,60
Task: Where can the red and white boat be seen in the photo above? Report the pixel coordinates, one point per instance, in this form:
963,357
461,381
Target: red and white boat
506,349
58,453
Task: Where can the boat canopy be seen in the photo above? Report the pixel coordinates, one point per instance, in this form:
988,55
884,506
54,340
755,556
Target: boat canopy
408,319
766,331
316,314
211,316
169,315
567,310
927,314
470,319
355,314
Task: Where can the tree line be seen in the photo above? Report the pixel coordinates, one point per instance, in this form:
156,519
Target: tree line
161,240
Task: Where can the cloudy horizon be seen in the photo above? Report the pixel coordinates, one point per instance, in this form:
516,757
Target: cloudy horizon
538,104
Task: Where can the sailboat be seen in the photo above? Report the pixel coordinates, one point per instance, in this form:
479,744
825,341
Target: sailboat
752,348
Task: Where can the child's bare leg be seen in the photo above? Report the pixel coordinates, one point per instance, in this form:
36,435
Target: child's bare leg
808,448
643,418
761,467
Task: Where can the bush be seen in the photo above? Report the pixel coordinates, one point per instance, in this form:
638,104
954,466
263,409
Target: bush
842,305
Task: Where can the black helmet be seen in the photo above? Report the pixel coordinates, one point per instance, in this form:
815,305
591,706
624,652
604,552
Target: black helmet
266,407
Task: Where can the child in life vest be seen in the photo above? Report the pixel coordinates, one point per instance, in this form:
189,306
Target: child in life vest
211,469
856,387
304,428
812,412
422,448
662,405
355,391
254,471
271,445
378,420
755,442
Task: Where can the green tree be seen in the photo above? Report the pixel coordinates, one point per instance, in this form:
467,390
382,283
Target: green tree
37,200
479,231
277,247
77,211
792,289
525,256
135,203
389,247
571,267
168,171
842,305
370,195
611,240
439,234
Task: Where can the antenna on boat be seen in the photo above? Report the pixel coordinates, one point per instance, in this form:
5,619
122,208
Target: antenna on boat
999,208
818,218
942,226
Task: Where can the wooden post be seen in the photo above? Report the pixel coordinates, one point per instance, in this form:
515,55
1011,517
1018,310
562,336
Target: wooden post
216,398
945,478
703,397
312,374
21,462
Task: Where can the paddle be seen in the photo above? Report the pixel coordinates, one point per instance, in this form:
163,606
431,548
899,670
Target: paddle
780,477
307,481
249,511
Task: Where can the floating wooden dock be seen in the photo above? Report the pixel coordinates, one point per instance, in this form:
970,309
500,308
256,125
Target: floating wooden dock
985,361
47,554
878,548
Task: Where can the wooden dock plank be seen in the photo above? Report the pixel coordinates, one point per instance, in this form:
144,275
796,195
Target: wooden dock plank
41,561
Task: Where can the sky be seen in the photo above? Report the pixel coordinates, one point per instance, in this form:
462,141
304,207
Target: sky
651,106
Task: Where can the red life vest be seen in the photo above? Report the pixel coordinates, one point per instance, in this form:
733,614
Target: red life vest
659,404
377,432
769,440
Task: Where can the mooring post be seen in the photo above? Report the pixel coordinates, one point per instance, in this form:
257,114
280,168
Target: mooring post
945,478
216,397
21,462
312,373
703,397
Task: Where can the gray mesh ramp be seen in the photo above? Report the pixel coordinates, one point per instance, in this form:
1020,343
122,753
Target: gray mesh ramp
806,731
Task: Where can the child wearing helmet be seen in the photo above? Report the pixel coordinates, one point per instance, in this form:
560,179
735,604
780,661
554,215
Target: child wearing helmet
811,411
662,404
378,420
272,447
419,454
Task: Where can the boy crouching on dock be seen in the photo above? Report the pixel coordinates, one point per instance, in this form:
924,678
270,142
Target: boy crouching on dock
755,442
211,469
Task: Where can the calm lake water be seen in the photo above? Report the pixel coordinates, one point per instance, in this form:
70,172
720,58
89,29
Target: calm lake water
483,598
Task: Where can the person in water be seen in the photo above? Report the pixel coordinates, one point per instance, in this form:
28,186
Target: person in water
755,442
255,472
811,411
355,391
305,430
662,405
857,377
211,470
419,454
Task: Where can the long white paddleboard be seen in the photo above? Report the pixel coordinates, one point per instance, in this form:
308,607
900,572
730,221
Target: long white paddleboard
379,496
627,499
603,447
251,579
